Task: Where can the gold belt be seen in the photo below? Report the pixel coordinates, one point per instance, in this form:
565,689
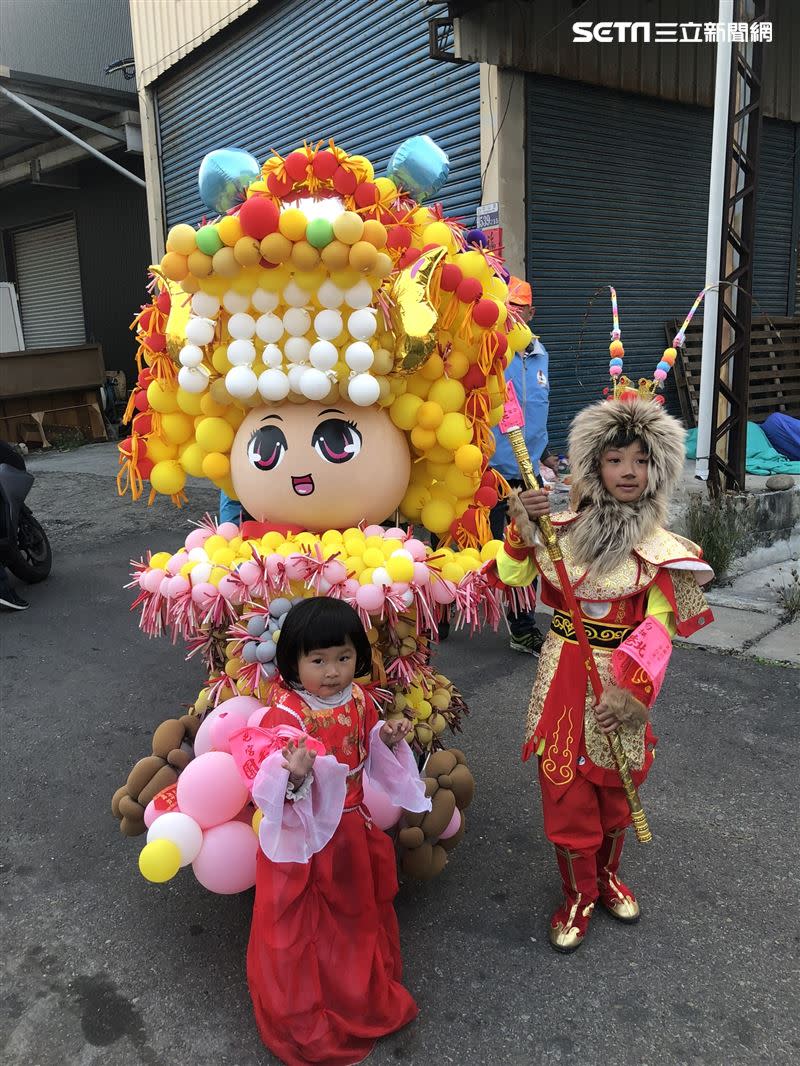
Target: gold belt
600,635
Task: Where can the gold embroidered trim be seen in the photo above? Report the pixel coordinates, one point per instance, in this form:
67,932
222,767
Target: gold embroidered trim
689,599
600,635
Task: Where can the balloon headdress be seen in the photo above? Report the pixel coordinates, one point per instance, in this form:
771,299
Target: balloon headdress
318,282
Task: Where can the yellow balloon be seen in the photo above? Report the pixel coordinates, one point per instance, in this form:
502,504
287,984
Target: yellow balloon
438,233
216,466
177,427
414,500
449,394
168,477
348,227
192,459
473,265
461,485
292,224
433,367
423,439
162,399
417,385
469,459
403,411
438,516
159,450
430,415
229,229
215,435
258,814
453,432
399,568
188,402
159,861
181,239
199,264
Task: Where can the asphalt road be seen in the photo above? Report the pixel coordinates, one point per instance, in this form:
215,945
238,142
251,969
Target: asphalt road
102,969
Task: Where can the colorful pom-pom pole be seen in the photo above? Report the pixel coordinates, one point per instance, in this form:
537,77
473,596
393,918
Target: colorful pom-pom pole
680,336
615,332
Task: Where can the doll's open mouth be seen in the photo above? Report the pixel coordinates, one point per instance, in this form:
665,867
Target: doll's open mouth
304,485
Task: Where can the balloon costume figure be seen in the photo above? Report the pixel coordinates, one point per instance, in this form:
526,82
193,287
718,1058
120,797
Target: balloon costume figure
331,353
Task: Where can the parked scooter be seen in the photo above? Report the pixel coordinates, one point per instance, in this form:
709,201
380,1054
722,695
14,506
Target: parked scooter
24,547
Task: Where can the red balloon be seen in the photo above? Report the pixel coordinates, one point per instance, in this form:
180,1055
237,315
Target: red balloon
164,302
451,277
279,186
398,237
258,216
468,520
144,378
325,165
156,342
468,290
296,164
409,256
502,343
474,378
145,466
489,479
142,424
140,401
345,182
125,446
486,496
387,218
367,194
485,313
146,318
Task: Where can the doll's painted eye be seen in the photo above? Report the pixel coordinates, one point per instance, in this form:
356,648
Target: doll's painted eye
336,441
267,448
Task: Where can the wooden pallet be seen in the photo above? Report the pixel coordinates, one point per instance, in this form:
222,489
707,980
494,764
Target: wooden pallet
774,368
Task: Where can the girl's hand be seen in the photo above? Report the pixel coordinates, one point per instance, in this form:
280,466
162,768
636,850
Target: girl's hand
618,707
393,732
298,760
606,717
536,503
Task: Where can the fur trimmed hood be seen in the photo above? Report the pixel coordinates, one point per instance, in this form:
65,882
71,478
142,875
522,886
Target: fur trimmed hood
608,530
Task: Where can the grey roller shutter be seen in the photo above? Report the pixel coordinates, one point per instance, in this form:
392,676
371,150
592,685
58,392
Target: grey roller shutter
617,193
353,70
49,285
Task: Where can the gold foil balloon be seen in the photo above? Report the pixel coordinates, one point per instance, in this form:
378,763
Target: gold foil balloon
413,314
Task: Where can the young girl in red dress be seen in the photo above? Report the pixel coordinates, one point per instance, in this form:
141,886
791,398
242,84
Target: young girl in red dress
323,962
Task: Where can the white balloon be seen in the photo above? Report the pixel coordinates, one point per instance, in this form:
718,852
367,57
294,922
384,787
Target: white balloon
204,304
297,321
363,390
296,349
362,324
242,326
407,597
241,382
269,328
330,295
314,385
264,301
359,296
328,324
272,356
233,302
295,375
191,355
273,385
380,576
198,555
241,353
402,553
183,831
193,378
200,330
294,296
199,574
359,356
323,355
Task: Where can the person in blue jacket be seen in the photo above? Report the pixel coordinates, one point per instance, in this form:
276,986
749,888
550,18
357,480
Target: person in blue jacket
529,374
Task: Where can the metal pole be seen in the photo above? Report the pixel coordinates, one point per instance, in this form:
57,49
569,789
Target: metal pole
72,137
716,199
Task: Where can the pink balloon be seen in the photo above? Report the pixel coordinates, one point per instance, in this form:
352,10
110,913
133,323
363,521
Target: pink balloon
150,580
249,572
296,566
334,572
176,562
370,597
204,594
162,803
226,863
178,585
197,538
399,587
350,589
453,825
374,531
257,717
418,550
443,591
422,574
163,588
210,789
384,813
228,530
395,533
228,588
228,722
274,563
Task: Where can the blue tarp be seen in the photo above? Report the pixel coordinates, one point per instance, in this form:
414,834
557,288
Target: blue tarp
762,459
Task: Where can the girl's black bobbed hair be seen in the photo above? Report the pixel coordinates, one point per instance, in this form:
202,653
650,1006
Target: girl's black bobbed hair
321,622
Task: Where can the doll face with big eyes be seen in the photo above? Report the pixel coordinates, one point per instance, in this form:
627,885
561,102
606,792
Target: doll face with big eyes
319,466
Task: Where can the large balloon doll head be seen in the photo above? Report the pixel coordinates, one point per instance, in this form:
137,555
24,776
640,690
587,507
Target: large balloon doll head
326,350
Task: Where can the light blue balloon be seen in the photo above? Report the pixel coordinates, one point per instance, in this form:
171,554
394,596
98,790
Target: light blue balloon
420,166
223,177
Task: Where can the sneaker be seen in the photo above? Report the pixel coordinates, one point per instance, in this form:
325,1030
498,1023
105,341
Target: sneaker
530,642
11,601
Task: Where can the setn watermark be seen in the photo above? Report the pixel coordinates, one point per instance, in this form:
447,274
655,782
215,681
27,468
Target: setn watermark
670,32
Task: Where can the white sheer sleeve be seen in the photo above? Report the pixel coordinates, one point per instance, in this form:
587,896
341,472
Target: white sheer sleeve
395,773
293,832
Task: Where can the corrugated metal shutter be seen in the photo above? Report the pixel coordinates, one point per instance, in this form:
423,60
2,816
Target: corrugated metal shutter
617,193
355,71
49,284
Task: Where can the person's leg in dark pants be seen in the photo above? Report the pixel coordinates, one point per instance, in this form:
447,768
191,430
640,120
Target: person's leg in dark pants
525,634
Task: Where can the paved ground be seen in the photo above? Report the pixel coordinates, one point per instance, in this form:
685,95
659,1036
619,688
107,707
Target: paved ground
102,969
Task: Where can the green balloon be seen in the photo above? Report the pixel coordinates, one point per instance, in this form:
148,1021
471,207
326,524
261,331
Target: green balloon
208,240
319,232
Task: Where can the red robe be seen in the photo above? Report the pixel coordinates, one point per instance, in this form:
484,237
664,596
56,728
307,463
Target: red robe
323,962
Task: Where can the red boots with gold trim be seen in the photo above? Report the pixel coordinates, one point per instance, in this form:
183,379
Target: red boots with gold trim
587,878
